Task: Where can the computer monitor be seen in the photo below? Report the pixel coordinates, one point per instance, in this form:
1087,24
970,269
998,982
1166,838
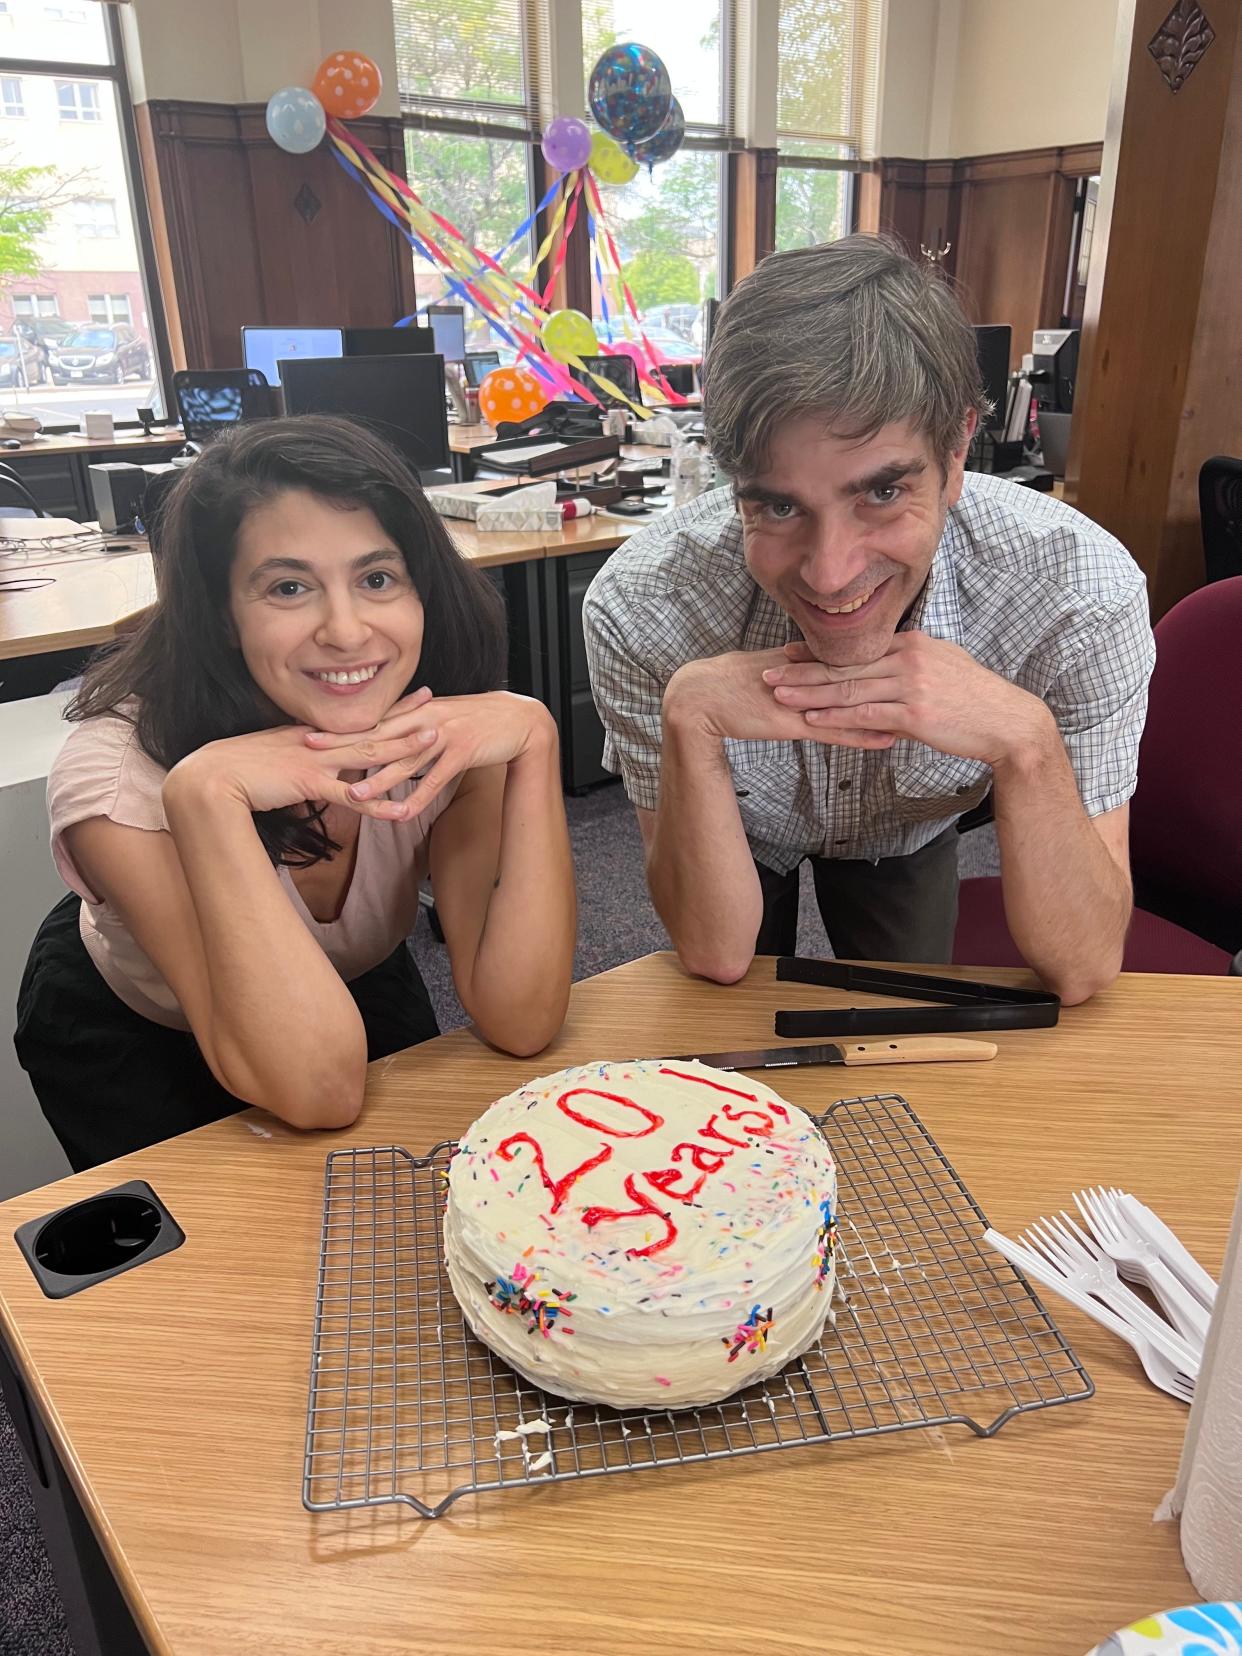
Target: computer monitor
993,344
479,364
264,347
400,397
1054,369
680,377
621,370
448,324
389,342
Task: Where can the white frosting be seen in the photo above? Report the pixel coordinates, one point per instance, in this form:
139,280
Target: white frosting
643,1234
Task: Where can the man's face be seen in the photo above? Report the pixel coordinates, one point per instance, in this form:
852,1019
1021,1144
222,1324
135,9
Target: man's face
842,534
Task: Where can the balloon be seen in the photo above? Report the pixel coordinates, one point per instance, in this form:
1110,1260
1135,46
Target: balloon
567,333
511,394
348,84
609,162
664,143
567,144
295,119
630,93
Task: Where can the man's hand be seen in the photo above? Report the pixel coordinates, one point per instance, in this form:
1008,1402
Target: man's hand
730,695
923,688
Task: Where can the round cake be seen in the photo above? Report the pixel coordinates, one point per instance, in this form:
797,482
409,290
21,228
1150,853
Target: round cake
643,1234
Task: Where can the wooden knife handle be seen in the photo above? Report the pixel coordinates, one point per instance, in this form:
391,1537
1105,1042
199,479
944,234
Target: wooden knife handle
925,1049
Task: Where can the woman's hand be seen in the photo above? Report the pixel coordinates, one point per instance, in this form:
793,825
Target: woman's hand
275,768
437,740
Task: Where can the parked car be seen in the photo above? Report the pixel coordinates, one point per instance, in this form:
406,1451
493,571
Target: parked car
99,352
21,362
49,329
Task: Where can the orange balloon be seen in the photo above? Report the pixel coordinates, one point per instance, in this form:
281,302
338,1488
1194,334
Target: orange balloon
347,84
511,394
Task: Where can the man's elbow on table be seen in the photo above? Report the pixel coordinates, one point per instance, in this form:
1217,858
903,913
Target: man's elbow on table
1083,980
718,965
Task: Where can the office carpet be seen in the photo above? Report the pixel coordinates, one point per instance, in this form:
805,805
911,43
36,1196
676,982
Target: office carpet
616,923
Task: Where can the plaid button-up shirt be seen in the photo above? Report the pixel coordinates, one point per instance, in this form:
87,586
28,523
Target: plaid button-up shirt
1028,586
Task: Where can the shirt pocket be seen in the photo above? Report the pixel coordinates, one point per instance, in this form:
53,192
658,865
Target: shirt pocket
930,786
768,784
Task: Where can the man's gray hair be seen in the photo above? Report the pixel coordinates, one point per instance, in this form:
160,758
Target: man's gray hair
854,332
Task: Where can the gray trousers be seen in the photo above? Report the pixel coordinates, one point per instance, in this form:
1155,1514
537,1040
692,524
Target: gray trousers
900,908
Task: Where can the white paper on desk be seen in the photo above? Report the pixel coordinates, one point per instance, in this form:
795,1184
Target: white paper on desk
519,457
1208,1492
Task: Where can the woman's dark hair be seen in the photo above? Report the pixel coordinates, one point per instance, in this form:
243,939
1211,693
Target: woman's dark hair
182,666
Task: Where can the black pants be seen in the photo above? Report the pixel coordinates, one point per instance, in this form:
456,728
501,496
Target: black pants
900,908
110,1081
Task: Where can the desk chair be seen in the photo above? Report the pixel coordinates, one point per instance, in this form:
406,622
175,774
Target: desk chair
12,488
211,399
1185,813
1220,514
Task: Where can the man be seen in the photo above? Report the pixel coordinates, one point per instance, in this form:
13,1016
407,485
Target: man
837,656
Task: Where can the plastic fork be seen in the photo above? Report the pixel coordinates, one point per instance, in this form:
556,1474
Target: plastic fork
1137,1260
1159,1369
1179,1258
1065,1247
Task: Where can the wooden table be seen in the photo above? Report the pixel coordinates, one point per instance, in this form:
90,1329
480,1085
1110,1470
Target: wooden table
89,601
56,469
176,1393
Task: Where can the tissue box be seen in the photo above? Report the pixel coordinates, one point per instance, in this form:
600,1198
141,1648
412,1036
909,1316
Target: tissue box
546,520
468,503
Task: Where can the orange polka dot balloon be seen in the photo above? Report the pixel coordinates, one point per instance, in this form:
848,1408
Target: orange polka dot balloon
511,394
348,84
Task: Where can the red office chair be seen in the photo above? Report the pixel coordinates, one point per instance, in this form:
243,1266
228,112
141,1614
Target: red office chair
1186,816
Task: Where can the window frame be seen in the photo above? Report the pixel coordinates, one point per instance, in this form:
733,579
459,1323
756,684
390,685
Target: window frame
116,70
13,109
85,111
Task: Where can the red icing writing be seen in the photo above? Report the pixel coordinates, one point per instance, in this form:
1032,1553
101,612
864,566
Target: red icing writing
646,1208
702,1081
558,1187
666,1178
703,1157
731,1114
653,1120
712,1131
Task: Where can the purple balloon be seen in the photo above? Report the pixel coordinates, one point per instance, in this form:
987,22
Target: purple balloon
630,93
567,143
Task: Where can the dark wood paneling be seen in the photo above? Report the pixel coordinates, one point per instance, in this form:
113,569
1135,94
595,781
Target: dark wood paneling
752,210
1006,220
234,247
1159,387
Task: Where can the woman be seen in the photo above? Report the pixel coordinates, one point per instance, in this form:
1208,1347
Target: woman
305,726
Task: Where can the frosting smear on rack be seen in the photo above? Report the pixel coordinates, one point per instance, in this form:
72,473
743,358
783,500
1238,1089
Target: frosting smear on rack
643,1234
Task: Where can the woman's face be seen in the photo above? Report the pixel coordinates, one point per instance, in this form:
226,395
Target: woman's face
325,612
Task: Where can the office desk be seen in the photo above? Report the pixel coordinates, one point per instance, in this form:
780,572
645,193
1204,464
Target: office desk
89,601
176,1393
54,469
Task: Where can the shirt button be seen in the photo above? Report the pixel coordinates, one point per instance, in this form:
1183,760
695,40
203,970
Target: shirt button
844,783
742,793
965,788
840,842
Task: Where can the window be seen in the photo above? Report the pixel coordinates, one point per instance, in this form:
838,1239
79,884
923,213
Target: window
72,225
668,222
828,71
95,216
12,103
468,81
78,100
109,307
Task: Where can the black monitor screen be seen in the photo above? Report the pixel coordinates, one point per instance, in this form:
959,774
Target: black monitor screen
992,345
622,371
448,324
389,341
400,397
479,364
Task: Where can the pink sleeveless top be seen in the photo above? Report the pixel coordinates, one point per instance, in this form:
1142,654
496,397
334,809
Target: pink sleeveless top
103,772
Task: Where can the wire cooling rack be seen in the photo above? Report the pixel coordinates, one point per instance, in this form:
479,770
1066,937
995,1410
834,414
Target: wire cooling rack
931,1329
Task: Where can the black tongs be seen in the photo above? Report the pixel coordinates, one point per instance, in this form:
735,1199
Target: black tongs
964,1004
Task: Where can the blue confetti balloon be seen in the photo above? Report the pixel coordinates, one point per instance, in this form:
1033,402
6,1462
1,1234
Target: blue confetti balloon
295,119
630,93
661,146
